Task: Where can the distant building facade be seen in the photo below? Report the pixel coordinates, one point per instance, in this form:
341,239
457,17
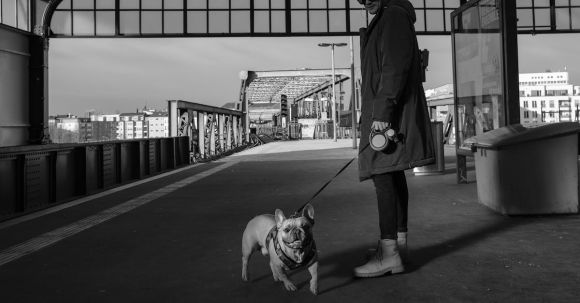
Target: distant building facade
106,127
157,125
548,98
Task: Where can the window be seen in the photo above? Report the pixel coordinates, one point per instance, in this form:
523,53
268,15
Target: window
534,104
525,103
551,103
526,113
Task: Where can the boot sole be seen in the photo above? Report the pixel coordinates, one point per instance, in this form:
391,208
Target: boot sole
394,270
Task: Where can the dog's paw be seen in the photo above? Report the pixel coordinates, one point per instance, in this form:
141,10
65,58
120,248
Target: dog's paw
245,277
290,286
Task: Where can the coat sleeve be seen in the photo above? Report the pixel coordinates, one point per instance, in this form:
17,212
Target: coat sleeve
395,56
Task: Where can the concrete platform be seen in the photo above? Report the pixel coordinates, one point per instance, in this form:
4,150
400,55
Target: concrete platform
177,239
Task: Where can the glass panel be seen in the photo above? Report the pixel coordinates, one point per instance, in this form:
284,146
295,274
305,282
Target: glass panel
129,4
23,14
542,17
241,22
83,23
354,4
278,22
105,23
417,3
196,22
357,20
65,4
318,22
478,71
9,12
575,18
173,22
261,22
279,4
299,22
174,4
128,22
525,18
434,3
218,22
524,3
420,23
83,4
241,4
448,19
338,21
196,4
151,22
299,4
151,4
317,3
452,3
61,23
542,3
562,2
218,4
106,4
261,4
434,20
336,4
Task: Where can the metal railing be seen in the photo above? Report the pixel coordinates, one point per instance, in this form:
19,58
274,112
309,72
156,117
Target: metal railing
41,176
213,131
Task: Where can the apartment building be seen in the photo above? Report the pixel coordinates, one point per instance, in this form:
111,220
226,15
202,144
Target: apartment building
548,98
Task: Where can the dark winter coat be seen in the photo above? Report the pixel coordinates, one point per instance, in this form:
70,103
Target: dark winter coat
392,91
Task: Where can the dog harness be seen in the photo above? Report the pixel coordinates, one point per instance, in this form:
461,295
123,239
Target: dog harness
290,264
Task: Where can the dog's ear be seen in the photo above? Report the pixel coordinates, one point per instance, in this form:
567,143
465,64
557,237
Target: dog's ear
279,215
308,212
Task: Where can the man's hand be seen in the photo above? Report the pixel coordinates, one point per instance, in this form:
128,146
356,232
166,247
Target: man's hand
380,125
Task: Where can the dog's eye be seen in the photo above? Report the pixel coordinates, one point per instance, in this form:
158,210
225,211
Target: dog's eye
286,230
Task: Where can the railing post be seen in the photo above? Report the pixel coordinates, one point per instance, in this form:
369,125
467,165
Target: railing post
229,135
221,118
201,134
211,120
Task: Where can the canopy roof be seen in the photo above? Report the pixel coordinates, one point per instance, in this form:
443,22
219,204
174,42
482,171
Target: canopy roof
218,18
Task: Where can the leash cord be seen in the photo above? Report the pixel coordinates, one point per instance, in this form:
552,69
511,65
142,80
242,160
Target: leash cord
329,181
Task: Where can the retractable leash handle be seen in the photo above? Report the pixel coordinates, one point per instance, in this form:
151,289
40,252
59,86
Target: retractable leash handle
379,140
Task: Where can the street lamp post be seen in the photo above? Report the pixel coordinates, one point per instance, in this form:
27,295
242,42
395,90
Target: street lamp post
334,121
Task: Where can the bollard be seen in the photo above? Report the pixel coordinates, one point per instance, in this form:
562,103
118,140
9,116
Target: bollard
438,167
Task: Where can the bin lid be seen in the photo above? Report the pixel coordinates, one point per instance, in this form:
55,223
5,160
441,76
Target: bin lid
517,134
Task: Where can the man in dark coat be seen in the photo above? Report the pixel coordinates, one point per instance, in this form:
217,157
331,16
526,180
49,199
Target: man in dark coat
392,97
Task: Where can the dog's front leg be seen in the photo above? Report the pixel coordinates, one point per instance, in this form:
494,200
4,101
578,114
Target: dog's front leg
284,278
313,270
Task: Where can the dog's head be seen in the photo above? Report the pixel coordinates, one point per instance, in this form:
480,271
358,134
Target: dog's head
295,232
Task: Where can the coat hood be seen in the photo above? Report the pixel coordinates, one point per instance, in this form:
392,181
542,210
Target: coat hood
404,4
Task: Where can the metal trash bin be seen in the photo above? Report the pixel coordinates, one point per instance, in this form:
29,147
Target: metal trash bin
438,167
526,171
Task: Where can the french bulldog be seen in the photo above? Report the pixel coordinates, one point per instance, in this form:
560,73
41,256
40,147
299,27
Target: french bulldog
288,241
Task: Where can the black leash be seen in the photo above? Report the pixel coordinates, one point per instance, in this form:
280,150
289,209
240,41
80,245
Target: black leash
329,181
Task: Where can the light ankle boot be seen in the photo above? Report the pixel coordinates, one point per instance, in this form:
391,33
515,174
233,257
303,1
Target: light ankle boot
385,260
402,244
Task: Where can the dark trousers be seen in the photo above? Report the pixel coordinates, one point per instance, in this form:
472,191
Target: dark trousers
393,200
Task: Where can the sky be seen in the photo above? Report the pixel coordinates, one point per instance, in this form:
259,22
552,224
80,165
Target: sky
123,74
